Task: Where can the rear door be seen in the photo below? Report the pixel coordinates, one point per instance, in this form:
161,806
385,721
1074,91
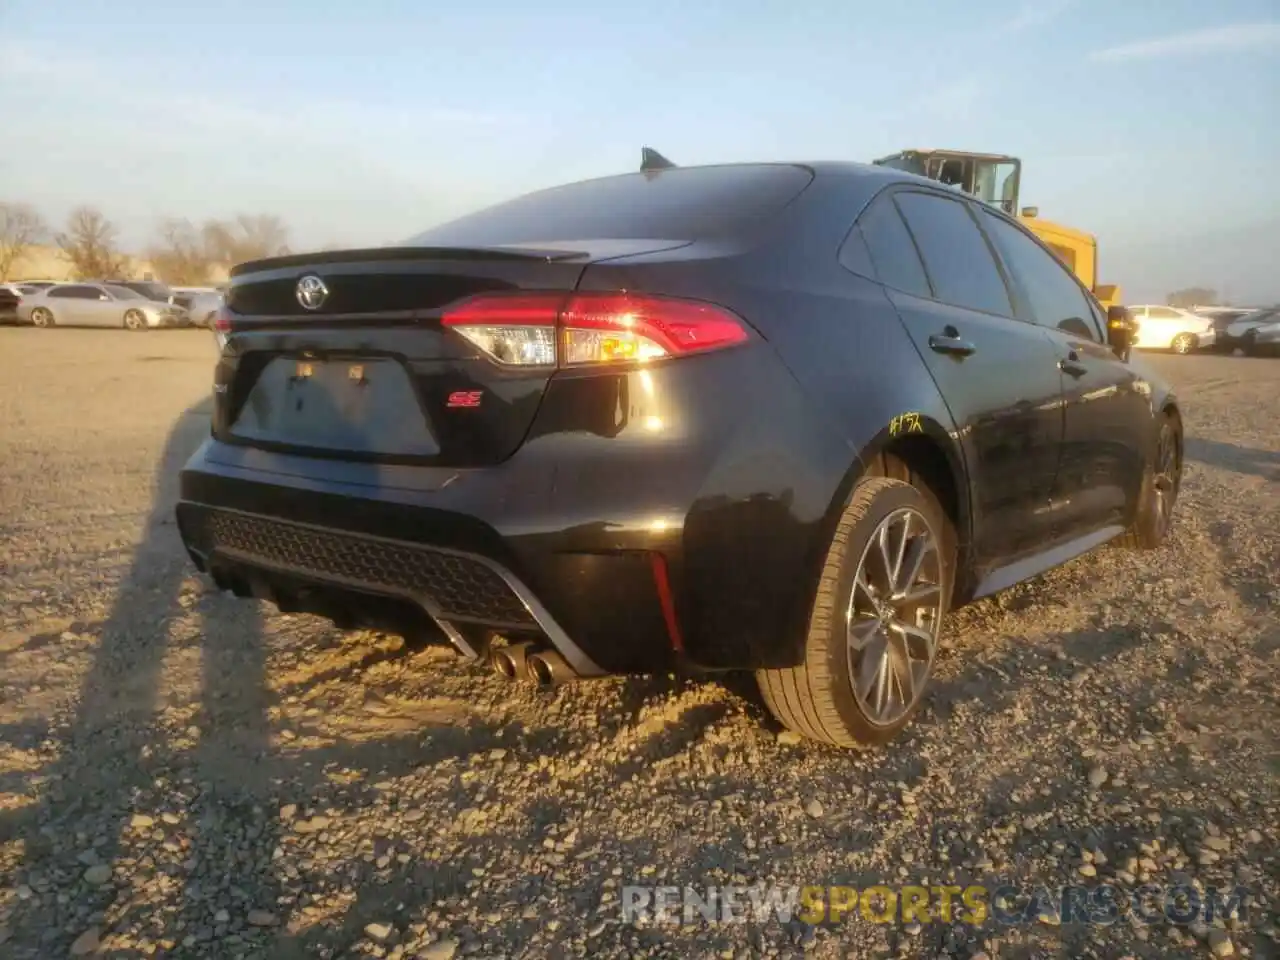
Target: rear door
1106,401
73,305
997,374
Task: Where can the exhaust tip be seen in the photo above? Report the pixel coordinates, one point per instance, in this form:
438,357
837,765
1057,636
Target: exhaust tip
540,672
503,665
511,661
548,669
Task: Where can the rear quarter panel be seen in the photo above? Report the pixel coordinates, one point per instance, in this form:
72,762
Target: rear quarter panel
849,381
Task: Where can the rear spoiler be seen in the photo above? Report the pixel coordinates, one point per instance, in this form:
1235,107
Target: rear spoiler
651,161
369,254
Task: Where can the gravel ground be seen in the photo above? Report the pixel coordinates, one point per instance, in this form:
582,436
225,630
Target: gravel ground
185,774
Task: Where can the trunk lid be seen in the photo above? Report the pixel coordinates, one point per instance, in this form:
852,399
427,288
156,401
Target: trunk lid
343,353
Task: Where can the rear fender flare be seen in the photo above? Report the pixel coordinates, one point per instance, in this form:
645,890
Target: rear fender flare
897,429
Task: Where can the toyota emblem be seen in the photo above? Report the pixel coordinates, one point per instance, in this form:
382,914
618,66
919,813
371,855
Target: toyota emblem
311,292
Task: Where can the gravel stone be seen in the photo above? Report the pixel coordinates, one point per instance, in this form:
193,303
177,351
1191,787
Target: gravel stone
97,875
87,943
1220,944
445,949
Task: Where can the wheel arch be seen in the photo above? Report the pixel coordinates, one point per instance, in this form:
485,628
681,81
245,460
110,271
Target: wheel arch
930,452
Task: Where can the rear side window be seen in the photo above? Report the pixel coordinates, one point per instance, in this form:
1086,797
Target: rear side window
1051,292
685,203
76,293
956,257
893,254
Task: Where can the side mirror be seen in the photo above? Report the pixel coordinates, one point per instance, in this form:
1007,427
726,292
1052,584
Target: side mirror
1031,211
1121,330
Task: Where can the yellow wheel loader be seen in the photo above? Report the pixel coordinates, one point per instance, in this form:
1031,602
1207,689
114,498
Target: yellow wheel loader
995,178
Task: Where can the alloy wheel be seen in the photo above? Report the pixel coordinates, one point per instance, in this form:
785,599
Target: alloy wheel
1168,472
134,320
1183,343
894,615
40,317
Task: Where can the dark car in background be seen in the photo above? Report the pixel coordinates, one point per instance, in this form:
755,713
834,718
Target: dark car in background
151,289
1221,318
777,417
1252,333
10,298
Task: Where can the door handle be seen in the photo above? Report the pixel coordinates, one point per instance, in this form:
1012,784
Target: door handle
1072,365
951,345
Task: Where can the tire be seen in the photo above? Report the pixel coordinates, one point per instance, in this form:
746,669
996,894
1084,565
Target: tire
1160,486
1249,343
134,320
817,698
42,317
1184,343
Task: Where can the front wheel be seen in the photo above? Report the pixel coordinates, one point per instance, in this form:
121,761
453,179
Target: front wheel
41,317
876,620
134,320
1184,343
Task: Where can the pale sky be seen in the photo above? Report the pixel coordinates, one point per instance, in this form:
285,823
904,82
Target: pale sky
1152,123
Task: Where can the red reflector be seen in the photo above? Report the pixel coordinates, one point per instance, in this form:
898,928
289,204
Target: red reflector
662,582
600,327
222,320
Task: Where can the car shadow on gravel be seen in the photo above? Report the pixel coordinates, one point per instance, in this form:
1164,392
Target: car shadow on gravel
1229,456
114,752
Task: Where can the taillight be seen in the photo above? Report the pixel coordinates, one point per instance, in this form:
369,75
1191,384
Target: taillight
543,329
222,320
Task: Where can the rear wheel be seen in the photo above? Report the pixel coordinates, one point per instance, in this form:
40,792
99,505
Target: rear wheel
42,317
134,320
1159,490
1184,343
876,620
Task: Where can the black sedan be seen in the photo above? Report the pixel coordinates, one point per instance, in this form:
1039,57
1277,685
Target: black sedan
776,417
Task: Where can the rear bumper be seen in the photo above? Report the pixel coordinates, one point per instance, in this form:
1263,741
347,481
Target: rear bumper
286,562
461,553
633,538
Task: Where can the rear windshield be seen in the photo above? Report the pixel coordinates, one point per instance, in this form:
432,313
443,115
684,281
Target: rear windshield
686,203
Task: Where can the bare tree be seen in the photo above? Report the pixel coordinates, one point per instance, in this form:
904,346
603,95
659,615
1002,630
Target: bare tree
246,238
21,228
181,254
1192,297
89,244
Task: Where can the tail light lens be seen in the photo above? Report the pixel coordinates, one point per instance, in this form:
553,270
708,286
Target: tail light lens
544,329
222,320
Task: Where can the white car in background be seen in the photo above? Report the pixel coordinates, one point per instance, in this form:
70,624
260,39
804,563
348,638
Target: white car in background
1170,328
97,305
201,303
